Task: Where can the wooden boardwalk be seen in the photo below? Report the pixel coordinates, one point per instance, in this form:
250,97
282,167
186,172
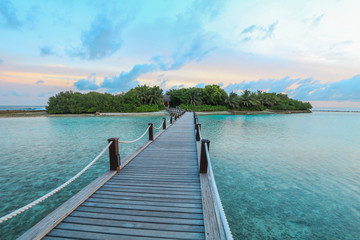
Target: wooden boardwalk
156,196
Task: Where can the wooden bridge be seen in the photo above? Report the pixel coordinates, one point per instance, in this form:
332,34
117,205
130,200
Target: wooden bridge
164,190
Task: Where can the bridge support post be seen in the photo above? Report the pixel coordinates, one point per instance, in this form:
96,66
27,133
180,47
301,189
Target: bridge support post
171,119
198,129
151,132
114,154
164,123
203,158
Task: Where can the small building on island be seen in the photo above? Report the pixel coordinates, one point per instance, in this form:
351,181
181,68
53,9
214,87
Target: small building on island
166,100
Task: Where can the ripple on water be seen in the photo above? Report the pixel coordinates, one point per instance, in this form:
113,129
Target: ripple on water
39,154
288,176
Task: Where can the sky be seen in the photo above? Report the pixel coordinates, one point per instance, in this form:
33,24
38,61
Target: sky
309,50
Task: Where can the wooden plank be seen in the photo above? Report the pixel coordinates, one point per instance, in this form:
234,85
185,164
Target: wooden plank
144,198
141,213
70,234
145,203
210,220
152,195
134,224
50,221
148,184
142,207
130,231
155,188
155,179
135,218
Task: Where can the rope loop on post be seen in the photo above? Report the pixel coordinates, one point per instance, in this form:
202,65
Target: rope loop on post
161,125
126,142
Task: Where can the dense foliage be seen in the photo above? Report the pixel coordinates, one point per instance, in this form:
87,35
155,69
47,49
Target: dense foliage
150,99
203,108
201,99
139,99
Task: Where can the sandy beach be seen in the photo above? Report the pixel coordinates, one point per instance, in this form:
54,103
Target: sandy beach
17,113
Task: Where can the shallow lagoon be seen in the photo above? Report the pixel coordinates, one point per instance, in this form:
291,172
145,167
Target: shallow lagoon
279,176
40,153
288,176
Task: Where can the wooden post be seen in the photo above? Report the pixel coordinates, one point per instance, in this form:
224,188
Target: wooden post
114,154
203,157
170,119
194,118
164,123
151,132
198,129
175,117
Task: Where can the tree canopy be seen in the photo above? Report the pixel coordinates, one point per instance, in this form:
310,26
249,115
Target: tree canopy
144,99
139,99
214,95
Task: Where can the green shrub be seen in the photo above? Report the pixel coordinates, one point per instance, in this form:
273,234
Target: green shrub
147,108
203,108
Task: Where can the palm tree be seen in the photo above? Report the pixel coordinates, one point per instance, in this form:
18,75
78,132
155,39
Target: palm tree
233,100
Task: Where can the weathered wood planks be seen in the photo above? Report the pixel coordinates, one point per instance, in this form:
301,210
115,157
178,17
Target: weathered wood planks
157,195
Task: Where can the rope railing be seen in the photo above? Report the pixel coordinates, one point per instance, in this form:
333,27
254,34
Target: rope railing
205,167
39,200
127,142
161,125
217,196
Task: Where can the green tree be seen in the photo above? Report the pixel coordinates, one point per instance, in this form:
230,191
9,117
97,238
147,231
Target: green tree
195,96
233,100
214,95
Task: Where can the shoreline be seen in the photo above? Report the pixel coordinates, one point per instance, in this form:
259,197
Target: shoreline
232,112
42,113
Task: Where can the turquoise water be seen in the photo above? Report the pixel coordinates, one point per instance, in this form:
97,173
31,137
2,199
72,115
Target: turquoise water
22,108
291,176
288,176
39,154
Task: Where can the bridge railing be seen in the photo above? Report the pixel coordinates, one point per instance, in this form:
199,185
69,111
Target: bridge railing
206,168
115,164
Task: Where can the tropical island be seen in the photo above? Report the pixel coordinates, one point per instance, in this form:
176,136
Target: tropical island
151,99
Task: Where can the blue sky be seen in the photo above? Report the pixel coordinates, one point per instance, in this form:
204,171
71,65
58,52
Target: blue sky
307,49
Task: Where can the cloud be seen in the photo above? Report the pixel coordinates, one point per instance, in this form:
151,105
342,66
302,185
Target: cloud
39,82
1,61
16,94
44,94
318,19
192,43
344,90
87,84
46,51
304,89
103,38
256,32
195,51
8,17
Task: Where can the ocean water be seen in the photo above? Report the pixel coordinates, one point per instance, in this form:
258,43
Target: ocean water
291,176
39,154
22,108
